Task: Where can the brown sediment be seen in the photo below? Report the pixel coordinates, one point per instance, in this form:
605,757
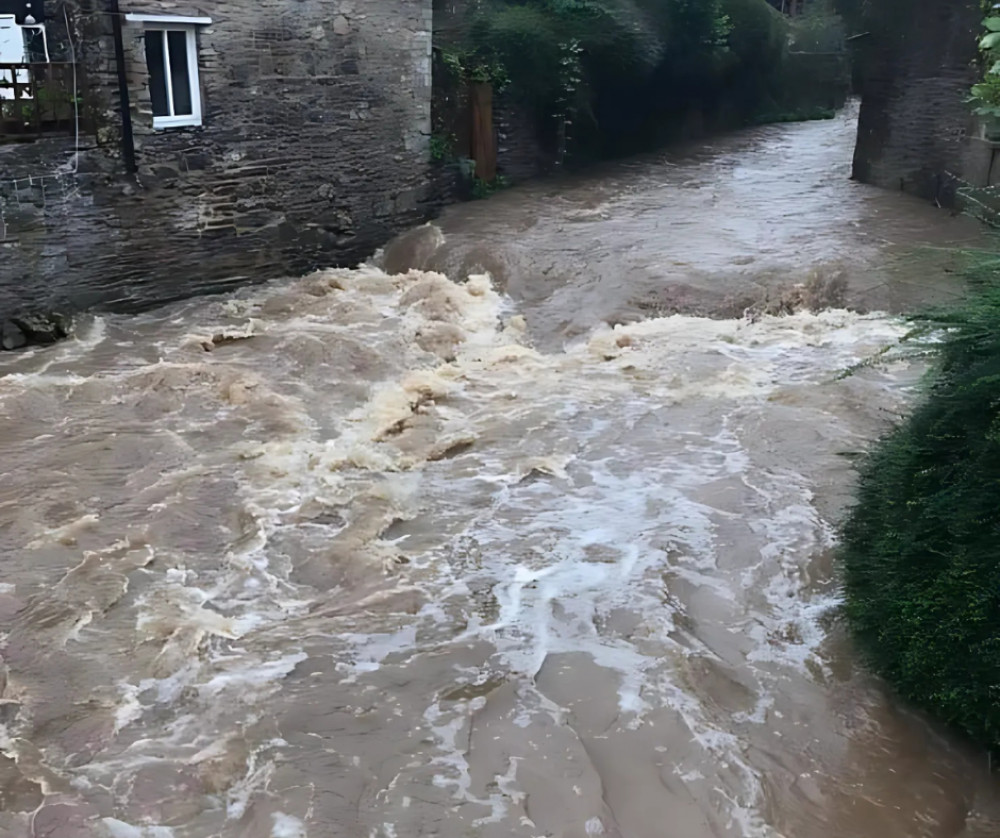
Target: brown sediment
404,565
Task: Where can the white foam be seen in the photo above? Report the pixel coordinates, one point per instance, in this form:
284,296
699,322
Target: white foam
243,683
286,826
115,828
580,511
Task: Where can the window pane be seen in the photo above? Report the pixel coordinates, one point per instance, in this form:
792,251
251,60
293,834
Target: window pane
179,80
157,80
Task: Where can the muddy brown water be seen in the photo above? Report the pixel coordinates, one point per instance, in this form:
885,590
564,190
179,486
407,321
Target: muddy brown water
544,555
756,219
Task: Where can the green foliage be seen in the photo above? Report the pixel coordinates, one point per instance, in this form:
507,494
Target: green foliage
819,29
476,66
484,188
610,76
803,115
452,61
921,548
698,26
986,93
614,38
758,35
442,147
759,75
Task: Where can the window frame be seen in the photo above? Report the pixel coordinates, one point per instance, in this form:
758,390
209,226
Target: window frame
161,27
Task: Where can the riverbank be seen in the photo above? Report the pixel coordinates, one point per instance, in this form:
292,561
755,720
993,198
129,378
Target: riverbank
764,219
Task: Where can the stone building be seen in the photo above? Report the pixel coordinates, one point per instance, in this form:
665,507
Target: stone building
170,147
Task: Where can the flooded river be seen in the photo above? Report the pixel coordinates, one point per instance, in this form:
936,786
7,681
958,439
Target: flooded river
378,555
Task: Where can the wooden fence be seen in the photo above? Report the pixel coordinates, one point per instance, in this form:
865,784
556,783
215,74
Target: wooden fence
36,99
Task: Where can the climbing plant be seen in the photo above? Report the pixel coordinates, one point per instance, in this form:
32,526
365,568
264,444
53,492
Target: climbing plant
476,65
986,92
567,105
550,48
564,58
602,77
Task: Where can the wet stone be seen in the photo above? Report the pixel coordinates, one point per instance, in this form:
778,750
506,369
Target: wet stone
11,336
40,329
34,329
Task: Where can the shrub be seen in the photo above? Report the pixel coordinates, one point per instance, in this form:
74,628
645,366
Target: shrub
921,547
529,39
758,45
612,76
819,29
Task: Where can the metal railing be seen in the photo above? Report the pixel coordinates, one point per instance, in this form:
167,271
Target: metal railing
36,99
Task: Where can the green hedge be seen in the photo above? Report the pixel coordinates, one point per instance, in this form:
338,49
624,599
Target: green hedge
622,72
921,548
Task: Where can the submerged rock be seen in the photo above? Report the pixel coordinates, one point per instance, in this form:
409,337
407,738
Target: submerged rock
11,336
34,329
42,328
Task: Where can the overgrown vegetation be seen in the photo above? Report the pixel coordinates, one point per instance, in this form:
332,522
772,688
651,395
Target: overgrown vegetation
483,188
442,147
986,93
921,548
603,77
820,28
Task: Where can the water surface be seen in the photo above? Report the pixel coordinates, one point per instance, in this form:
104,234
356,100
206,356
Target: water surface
401,555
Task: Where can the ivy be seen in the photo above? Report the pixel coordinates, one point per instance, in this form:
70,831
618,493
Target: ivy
986,93
598,75
476,65
556,53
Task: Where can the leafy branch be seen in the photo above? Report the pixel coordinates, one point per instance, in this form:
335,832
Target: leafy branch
986,93
476,65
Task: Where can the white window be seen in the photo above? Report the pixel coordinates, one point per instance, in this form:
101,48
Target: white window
172,60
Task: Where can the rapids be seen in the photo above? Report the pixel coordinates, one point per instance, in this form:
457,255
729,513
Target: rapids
396,554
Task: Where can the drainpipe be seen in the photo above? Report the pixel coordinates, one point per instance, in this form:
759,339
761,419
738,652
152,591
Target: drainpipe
128,142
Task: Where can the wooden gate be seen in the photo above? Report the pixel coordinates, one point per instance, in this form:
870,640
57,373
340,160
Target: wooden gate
484,144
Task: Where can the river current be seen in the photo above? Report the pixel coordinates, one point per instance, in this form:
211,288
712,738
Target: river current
524,529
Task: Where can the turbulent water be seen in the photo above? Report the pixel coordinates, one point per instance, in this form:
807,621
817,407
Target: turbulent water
360,555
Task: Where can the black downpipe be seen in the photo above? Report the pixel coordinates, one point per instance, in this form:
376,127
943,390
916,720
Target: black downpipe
128,142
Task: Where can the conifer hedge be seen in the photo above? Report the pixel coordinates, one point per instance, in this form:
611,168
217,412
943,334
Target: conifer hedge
921,547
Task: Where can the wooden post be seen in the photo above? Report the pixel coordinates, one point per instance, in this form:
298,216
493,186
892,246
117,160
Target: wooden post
35,82
484,145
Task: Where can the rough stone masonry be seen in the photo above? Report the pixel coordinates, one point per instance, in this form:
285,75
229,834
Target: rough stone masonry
313,150
917,62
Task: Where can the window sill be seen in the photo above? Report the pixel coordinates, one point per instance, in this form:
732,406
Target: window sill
162,122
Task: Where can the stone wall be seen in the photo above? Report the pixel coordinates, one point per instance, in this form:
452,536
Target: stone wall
313,151
917,65
521,153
